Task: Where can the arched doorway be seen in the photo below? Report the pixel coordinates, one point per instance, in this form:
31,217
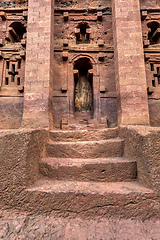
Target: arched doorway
83,86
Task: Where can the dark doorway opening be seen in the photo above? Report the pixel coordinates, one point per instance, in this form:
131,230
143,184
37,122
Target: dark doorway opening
83,86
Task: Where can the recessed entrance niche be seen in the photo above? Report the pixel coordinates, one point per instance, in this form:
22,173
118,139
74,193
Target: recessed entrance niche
83,87
154,33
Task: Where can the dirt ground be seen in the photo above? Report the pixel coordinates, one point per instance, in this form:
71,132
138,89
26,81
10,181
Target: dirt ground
21,225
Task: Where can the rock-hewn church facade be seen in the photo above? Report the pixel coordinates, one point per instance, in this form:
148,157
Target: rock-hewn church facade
80,106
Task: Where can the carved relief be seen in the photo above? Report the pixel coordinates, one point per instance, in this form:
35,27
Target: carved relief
84,84
153,74
13,75
82,32
13,32
151,39
150,27
16,31
154,32
12,47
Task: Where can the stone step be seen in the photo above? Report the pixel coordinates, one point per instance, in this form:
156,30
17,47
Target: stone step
122,199
84,135
86,149
99,169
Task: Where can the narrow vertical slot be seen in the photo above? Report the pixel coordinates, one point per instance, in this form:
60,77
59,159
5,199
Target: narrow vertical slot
18,81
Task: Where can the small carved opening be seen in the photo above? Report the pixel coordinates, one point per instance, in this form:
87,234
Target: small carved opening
12,73
19,64
152,67
153,83
154,32
18,81
83,91
6,81
83,35
13,67
17,30
158,75
7,65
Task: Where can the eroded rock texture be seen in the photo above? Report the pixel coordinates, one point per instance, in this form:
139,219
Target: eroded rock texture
16,225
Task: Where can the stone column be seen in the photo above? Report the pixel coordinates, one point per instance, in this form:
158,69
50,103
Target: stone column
129,63
39,65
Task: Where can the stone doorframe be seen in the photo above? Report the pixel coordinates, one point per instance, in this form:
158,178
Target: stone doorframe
96,94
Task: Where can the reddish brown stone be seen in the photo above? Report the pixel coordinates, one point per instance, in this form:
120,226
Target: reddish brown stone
99,16
65,42
130,74
1,42
143,14
101,56
23,42
101,42
65,16
64,77
3,15
146,43
65,55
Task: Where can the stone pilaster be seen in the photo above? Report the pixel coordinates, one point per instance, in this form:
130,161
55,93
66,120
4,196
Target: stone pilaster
39,61
129,63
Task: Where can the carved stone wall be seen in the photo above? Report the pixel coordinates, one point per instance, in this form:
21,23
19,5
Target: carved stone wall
83,33
151,41
83,30
13,33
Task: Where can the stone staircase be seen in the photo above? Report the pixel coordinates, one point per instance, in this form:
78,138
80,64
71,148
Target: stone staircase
84,172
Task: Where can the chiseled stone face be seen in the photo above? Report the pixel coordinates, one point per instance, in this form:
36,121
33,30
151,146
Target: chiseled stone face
82,32
89,36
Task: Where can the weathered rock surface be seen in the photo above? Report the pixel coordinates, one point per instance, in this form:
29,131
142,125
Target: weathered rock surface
16,225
